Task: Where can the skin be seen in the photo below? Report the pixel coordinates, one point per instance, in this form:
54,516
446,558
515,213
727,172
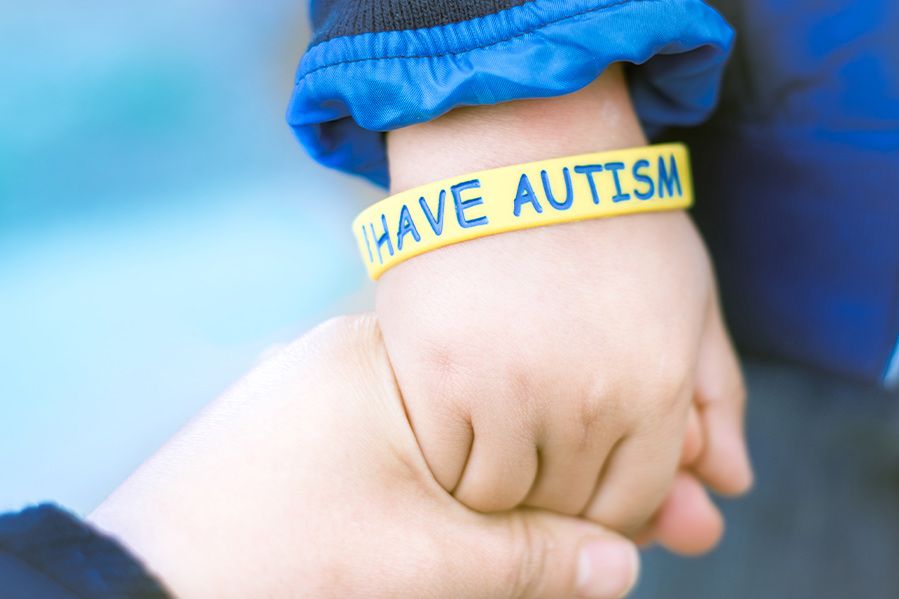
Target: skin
305,479
315,476
561,367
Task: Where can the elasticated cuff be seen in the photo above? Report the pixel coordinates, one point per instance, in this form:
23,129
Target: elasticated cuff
351,89
45,551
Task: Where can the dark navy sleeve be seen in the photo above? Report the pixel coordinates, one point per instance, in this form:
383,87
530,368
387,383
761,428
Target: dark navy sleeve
47,552
376,65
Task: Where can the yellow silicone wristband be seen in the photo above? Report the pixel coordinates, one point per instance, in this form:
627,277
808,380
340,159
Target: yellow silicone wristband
560,190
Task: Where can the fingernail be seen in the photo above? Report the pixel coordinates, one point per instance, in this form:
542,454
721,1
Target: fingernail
607,569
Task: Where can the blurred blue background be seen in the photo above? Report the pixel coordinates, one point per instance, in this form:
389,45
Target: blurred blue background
160,228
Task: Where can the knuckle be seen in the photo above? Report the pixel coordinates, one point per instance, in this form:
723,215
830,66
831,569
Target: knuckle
601,403
670,384
445,369
591,414
674,375
527,564
590,409
442,358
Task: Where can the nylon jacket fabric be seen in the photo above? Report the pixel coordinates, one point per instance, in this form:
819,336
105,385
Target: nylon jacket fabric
46,552
349,89
796,171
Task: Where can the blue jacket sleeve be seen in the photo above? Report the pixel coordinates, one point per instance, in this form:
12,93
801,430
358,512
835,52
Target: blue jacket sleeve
376,65
47,552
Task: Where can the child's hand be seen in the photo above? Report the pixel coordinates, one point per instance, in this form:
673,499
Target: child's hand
555,367
305,480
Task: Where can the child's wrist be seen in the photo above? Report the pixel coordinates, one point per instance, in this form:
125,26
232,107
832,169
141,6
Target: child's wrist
597,118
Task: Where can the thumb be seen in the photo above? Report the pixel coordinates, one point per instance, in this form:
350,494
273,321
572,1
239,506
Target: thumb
542,554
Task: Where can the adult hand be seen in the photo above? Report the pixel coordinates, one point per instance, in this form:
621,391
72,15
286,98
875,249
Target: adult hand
306,479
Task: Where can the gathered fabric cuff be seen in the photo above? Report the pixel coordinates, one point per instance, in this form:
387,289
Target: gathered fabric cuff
47,552
350,90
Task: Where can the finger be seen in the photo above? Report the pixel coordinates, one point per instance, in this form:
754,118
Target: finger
533,553
692,438
569,466
500,471
688,522
445,437
637,476
724,463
